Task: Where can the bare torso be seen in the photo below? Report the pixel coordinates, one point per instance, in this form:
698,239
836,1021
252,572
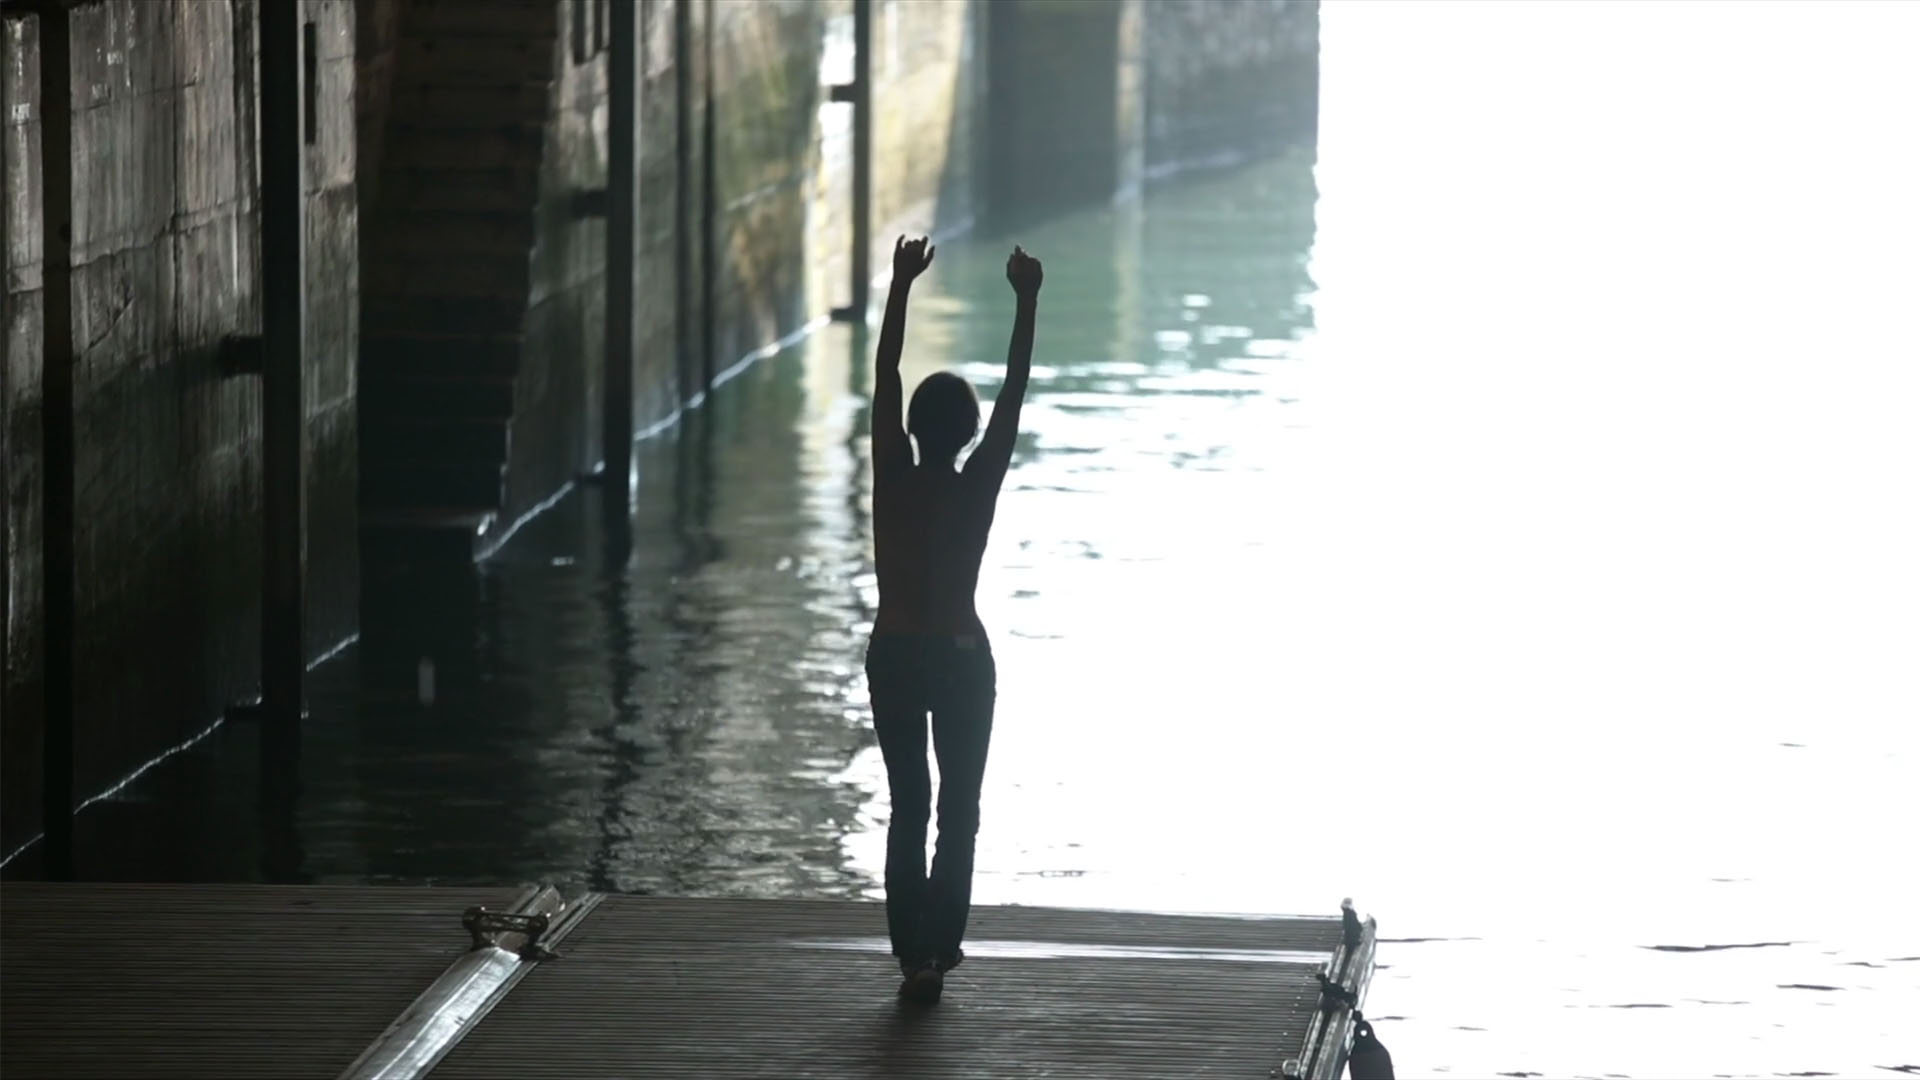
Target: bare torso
930,520
930,532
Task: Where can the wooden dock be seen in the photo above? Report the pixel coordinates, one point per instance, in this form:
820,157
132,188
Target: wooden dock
212,981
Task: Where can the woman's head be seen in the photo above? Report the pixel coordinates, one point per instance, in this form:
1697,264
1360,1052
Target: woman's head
943,417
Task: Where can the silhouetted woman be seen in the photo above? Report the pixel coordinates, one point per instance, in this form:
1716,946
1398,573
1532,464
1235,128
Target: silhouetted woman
929,653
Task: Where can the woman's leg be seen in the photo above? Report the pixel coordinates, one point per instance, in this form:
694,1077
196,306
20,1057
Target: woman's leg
962,728
900,721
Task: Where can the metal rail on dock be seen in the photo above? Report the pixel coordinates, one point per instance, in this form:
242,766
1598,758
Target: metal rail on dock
506,945
1343,991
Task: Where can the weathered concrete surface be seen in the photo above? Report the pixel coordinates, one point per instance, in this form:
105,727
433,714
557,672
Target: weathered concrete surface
657,379
1229,80
929,76
481,232
1085,100
168,468
377,26
1064,102
556,411
20,643
929,102
464,124
332,334
766,92
784,156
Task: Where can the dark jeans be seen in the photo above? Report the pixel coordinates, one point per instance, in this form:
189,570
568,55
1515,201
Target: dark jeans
910,676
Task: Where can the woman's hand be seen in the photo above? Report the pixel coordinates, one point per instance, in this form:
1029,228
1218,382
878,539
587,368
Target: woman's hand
1023,273
911,258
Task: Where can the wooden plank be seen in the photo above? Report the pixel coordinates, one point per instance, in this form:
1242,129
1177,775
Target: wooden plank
719,988
136,981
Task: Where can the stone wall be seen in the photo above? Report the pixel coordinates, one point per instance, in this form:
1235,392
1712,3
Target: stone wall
1228,81
1064,105
766,92
929,78
1086,100
779,198
658,357
377,27
168,467
556,410
473,200
755,244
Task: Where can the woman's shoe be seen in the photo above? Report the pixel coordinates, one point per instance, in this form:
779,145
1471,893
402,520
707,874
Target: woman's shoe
922,984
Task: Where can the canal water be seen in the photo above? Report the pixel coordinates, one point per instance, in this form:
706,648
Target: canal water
1506,518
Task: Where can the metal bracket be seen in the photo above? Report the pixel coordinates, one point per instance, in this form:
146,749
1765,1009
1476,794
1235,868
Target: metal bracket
846,92
482,925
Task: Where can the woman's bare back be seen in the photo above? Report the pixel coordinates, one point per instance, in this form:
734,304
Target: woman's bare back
931,519
930,532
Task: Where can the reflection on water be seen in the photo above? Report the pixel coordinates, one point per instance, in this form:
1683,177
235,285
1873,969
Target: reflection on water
1517,538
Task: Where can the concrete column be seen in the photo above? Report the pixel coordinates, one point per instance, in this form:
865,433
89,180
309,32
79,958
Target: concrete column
57,433
862,158
283,413
623,122
1130,97
1065,105
858,93
684,290
709,199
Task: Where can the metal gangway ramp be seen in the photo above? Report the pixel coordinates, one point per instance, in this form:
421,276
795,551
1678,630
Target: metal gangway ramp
211,981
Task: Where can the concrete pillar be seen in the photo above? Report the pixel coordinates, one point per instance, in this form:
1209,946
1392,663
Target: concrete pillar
283,375
862,158
1065,108
1129,97
57,434
709,199
623,124
685,293
858,93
